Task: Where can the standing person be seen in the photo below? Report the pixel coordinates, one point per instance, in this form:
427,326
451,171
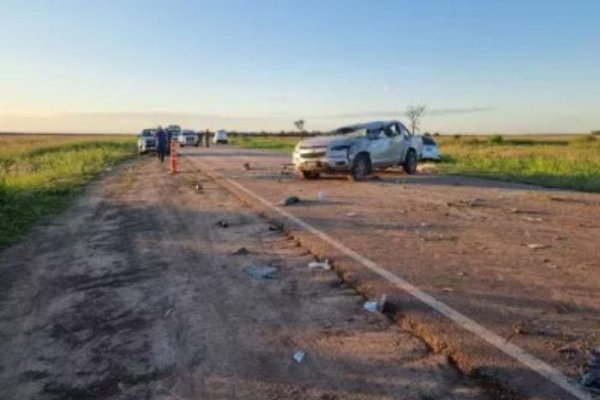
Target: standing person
161,143
207,138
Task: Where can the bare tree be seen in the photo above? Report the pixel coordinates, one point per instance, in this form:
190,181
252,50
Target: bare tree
414,114
300,125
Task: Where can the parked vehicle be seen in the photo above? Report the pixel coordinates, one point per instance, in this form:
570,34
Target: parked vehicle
431,151
220,137
358,150
188,138
173,132
146,141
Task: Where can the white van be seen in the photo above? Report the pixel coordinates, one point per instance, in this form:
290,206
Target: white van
220,137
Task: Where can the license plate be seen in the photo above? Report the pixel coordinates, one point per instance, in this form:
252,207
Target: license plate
312,164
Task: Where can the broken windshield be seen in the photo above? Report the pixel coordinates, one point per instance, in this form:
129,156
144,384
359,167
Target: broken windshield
352,131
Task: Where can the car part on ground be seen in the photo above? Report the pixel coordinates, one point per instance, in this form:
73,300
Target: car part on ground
358,150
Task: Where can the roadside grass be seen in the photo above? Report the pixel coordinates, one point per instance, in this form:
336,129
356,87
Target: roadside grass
558,161
40,175
284,144
569,162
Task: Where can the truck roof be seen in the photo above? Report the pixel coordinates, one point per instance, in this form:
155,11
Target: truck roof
371,125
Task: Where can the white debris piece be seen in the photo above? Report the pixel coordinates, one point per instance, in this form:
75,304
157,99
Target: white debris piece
320,264
375,305
299,356
537,246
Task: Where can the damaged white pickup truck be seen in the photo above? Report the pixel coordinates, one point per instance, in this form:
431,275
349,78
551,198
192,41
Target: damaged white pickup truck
357,150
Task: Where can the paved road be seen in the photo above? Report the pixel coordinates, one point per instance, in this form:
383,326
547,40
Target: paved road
521,261
136,293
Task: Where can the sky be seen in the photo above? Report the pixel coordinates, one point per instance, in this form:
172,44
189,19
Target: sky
122,65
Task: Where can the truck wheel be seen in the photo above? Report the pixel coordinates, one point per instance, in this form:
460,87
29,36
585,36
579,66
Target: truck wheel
410,164
310,175
361,168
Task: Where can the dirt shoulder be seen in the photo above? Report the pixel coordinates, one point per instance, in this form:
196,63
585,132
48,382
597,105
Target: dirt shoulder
520,260
135,293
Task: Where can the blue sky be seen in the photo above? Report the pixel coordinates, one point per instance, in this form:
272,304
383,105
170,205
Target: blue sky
479,66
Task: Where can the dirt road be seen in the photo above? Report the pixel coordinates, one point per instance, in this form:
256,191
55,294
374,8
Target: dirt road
136,293
521,261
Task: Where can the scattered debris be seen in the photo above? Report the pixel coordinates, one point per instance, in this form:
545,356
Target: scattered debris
376,305
537,246
108,169
438,237
428,168
351,214
261,271
448,290
242,251
321,195
290,200
299,356
320,265
168,312
276,226
474,202
568,348
223,223
532,219
520,330
198,187
287,169
247,166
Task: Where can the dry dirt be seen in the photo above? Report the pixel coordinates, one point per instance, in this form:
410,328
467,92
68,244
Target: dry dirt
522,261
134,293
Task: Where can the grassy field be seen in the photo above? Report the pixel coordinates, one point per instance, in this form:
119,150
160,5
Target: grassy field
560,161
41,174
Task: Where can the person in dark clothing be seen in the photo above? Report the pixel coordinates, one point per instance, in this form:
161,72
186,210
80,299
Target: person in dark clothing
207,138
161,143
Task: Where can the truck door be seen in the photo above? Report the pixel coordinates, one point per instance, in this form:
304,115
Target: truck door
395,151
405,141
378,146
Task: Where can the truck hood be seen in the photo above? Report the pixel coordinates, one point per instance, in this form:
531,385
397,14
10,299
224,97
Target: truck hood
325,141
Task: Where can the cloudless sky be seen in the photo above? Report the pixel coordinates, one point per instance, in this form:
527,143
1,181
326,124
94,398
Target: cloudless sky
121,65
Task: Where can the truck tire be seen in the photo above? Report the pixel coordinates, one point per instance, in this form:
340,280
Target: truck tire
361,168
310,175
410,163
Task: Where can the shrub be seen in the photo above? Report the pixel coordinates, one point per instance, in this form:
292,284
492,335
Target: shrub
457,136
583,140
595,133
496,139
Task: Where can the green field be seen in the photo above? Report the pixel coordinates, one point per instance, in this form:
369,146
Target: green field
560,161
41,174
